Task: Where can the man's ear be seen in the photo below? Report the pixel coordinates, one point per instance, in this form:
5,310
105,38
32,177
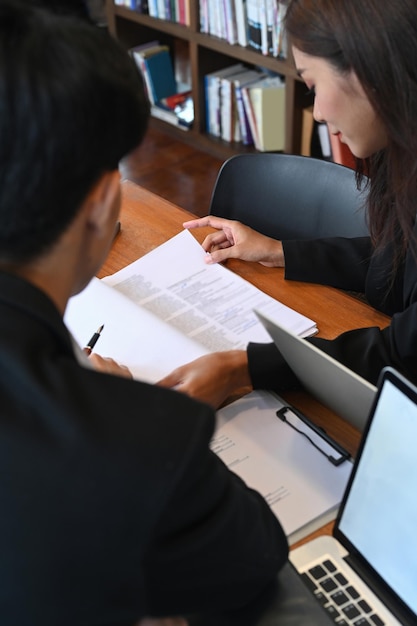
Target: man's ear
101,200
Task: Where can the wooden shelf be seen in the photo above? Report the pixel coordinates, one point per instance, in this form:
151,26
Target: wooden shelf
206,54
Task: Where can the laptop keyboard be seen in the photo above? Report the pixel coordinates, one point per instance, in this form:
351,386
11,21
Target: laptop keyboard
340,598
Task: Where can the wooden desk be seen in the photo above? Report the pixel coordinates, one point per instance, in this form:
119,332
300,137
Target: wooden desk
148,221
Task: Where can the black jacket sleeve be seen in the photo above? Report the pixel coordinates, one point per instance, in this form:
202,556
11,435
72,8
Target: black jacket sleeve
217,539
349,264
338,262
368,350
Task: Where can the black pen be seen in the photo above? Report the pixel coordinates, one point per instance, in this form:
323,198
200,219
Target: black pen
90,345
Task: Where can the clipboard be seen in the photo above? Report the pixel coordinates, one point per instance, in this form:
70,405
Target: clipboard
301,484
317,436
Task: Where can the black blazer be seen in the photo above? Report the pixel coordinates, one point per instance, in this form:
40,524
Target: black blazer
350,264
112,504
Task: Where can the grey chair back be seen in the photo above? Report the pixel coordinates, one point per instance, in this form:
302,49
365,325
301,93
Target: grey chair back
290,197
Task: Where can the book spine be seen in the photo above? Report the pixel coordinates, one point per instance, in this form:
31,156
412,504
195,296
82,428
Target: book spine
250,115
140,62
167,10
161,9
204,17
207,102
271,16
230,17
222,19
187,12
211,17
217,19
236,134
245,131
161,74
254,24
226,109
153,8
279,38
181,11
215,104
268,104
263,26
241,22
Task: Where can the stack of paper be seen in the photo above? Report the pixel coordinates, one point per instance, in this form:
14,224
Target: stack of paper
302,487
170,307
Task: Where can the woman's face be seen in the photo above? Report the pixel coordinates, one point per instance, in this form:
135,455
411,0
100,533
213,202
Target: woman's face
341,102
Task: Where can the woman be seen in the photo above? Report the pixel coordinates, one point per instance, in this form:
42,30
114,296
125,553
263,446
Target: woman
359,59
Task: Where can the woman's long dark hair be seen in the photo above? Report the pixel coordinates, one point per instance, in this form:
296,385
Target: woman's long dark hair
377,39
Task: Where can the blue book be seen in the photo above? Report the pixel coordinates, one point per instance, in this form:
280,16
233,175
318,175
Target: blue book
161,74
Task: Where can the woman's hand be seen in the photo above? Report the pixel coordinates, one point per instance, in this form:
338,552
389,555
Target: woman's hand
234,240
211,378
109,366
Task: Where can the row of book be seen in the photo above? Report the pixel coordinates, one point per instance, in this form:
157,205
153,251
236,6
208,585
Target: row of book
257,24
171,10
247,106
254,23
141,6
169,101
243,105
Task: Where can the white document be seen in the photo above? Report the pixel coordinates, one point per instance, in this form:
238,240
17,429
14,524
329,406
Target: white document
170,307
302,487
131,335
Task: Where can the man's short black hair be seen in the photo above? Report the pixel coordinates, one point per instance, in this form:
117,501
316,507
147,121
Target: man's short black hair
72,104
78,8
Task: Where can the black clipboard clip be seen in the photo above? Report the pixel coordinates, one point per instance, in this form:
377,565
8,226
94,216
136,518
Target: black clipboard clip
318,437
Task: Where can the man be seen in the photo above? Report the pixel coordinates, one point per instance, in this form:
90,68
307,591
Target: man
113,508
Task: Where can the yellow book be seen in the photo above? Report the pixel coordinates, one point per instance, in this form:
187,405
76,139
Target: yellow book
268,104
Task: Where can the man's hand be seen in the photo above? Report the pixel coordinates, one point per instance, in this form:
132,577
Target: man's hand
211,378
109,366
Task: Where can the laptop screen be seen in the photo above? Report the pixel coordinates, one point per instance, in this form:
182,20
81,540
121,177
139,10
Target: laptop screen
378,518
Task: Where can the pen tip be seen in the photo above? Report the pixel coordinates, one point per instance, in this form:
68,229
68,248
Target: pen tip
100,329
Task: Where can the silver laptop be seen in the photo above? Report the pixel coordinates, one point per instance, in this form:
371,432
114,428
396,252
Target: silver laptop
333,384
366,573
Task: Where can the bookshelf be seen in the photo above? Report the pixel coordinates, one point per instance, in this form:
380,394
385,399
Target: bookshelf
204,54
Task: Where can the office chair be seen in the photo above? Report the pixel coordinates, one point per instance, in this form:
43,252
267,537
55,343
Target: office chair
290,197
